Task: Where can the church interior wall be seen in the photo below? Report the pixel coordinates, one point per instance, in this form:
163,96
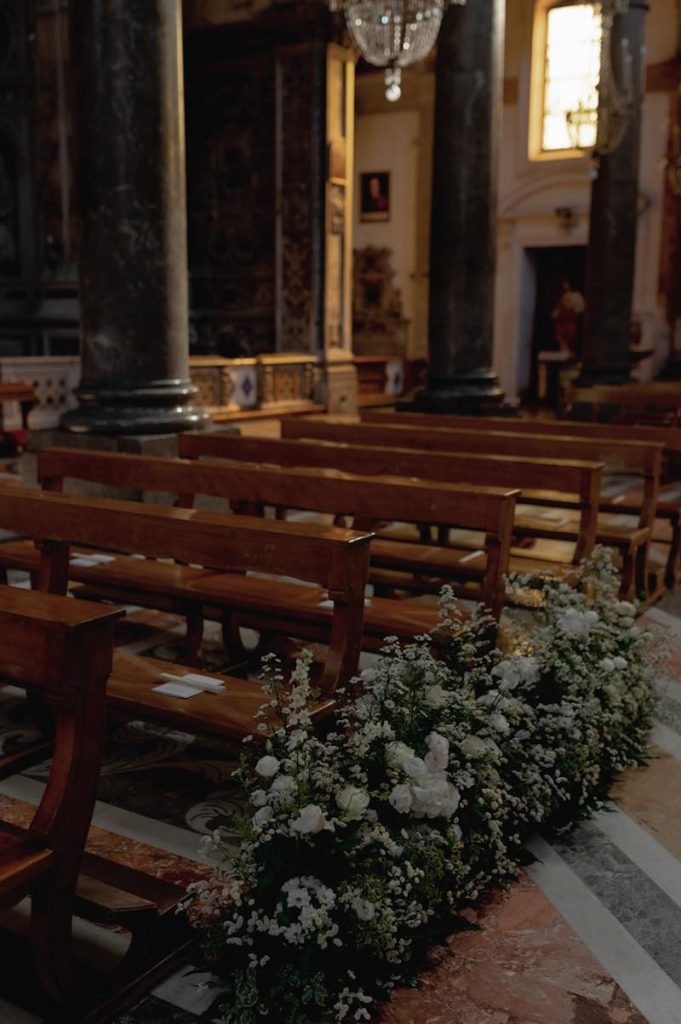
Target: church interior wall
542,203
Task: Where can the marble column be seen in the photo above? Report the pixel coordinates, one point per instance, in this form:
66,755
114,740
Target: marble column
130,173
611,255
467,130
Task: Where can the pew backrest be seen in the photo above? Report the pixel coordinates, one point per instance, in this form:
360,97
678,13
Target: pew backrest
334,558
670,437
644,458
579,481
61,650
250,487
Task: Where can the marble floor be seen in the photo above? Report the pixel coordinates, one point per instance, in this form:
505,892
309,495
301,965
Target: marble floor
590,933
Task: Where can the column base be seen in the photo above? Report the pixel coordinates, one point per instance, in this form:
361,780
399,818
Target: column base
475,394
340,387
158,407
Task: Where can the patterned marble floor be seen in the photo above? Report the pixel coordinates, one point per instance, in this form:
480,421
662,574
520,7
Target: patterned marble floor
590,933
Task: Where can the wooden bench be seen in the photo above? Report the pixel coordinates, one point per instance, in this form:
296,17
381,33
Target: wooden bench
61,652
656,401
577,483
632,541
334,559
367,500
625,500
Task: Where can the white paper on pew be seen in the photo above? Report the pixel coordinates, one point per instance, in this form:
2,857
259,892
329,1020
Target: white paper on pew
471,556
177,690
102,559
83,563
330,604
195,681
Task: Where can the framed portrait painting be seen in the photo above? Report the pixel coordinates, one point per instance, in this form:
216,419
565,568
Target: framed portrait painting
374,192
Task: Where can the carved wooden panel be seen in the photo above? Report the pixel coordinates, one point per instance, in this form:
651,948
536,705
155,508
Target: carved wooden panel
231,200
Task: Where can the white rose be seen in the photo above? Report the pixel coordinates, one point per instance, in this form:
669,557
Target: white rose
435,696
415,767
499,722
283,785
310,819
353,801
401,799
396,752
363,908
262,816
437,758
473,746
620,662
267,766
626,608
607,664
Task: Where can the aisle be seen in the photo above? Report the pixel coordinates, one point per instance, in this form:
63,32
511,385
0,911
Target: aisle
589,934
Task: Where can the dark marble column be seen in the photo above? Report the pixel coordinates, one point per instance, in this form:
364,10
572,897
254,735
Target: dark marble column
611,255
129,137
467,133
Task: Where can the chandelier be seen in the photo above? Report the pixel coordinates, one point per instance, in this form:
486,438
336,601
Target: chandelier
391,34
616,98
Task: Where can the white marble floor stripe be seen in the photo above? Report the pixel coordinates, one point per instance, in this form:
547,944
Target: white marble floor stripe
669,741
662,618
650,989
179,841
642,849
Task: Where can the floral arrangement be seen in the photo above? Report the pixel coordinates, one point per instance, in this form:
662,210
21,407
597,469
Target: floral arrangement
362,842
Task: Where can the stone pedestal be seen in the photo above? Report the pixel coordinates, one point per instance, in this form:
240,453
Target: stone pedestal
611,254
467,131
129,140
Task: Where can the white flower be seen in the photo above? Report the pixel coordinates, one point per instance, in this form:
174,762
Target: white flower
516,670
310,819
415,767
473,746
435,696
437,758
353,801
363,908
576,623
262,816
395,753
607,664
267,766
620,662
283,785
499,722
401,799
626,608
439,798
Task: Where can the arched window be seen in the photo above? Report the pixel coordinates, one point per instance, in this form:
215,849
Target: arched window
566,55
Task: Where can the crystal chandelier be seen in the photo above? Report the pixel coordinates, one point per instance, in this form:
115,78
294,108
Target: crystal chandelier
391,34
615,98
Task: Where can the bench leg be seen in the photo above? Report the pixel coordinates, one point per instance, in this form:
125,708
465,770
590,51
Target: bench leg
672,567
231,639
193,638
629,581
51,923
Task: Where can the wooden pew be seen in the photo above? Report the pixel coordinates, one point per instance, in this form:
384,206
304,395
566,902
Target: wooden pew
368,500
659,401
60,651
627,501
632,542
577,483
335,559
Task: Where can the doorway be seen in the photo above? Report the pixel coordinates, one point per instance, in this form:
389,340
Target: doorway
553,267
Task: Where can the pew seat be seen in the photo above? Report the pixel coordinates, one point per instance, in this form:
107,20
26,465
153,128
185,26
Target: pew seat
259,603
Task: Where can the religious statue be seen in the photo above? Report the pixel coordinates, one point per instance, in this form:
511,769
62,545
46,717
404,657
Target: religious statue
567,318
